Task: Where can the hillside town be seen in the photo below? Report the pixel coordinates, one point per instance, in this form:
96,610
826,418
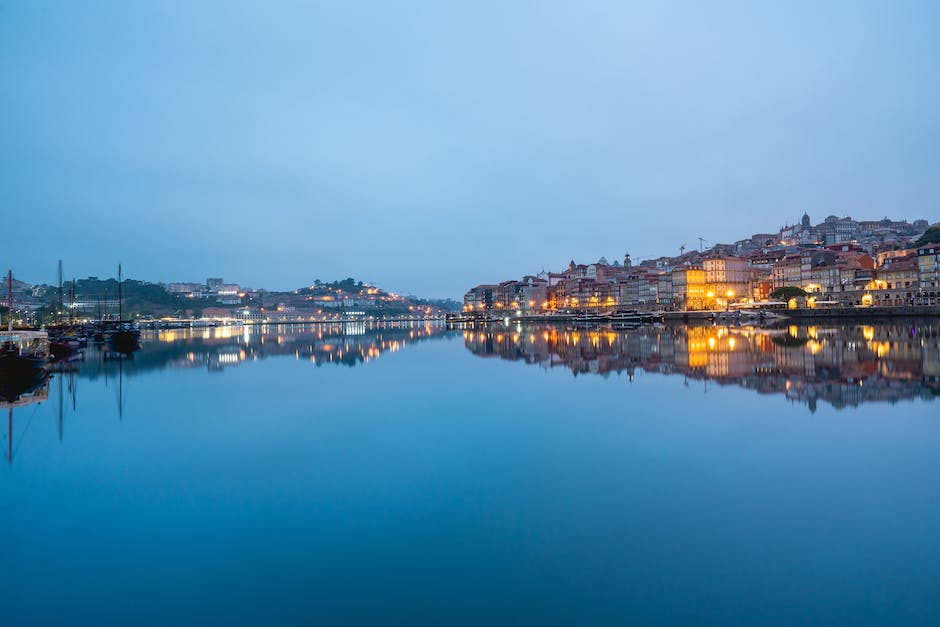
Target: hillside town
839,262
96,298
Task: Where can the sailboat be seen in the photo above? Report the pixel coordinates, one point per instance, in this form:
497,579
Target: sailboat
69,341
124,337
23,354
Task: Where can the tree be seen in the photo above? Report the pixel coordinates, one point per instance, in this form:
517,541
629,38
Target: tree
930,236
788,292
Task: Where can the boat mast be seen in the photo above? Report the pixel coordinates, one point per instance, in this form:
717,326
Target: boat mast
10,302
120,301
58,313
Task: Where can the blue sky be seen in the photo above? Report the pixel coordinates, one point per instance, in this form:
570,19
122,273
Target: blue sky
428,148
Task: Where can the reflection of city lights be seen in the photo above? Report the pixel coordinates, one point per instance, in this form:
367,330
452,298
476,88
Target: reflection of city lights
759,358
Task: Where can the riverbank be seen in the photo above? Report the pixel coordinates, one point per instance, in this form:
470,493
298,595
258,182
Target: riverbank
917,311
638,317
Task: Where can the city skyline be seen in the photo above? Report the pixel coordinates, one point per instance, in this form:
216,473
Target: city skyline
732,247
427,149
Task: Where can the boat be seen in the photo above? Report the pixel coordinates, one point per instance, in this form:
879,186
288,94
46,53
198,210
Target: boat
23,351
23,354
124,336
66,345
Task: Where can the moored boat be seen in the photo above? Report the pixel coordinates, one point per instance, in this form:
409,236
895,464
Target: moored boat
23,354
124,336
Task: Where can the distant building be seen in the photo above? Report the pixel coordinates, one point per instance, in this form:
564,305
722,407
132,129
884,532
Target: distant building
183,288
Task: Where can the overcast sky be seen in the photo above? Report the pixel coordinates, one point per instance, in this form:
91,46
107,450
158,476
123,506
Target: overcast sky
428,148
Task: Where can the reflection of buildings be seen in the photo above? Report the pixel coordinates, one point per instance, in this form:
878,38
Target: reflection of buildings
216,348
844,366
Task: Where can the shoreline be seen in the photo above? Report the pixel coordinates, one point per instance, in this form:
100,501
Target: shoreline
840,313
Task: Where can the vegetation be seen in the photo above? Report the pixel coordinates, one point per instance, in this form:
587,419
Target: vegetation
931,236
348,284
140,297
444,303
786,293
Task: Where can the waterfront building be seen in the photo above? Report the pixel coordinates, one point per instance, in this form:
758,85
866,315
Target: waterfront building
528,294
787,272
666,291
479,298
928,268
726,280
832,261
688,288
899,273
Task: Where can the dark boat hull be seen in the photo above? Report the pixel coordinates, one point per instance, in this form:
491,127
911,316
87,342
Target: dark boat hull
64,349
19,374
124,341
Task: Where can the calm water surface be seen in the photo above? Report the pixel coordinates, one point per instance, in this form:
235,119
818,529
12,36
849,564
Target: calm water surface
507,476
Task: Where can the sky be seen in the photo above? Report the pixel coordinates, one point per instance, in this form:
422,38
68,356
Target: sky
428,146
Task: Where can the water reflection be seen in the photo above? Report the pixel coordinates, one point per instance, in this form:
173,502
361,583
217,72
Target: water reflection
843,365
211,348
215,348
20,393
